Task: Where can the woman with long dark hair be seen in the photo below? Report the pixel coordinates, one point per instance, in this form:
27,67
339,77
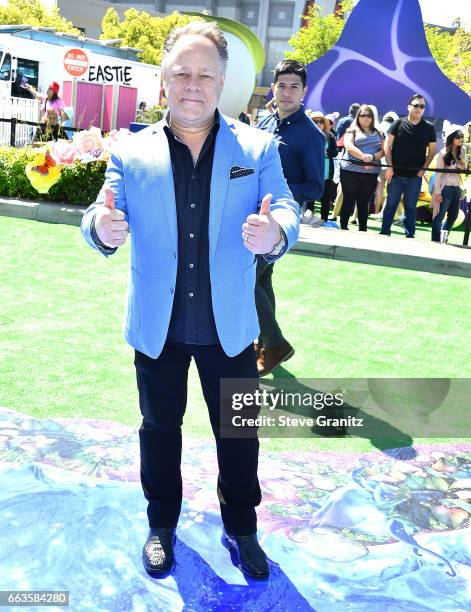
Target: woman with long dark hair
52,112
447,189
363,143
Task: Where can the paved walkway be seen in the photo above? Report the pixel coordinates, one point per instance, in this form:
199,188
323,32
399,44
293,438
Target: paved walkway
383,251
319,242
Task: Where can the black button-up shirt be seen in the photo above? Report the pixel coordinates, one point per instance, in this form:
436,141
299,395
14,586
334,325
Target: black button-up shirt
192,320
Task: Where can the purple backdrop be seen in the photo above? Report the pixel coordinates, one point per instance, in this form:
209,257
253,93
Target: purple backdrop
382,58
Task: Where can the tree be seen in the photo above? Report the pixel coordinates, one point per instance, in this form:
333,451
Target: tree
143,31
452,53
319,34
33,12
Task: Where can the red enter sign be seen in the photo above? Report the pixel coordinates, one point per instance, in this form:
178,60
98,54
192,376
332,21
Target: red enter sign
76,62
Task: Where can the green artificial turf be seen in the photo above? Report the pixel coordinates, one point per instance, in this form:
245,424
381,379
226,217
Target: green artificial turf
62,352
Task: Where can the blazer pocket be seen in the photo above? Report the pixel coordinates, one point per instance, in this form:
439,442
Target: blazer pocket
238,172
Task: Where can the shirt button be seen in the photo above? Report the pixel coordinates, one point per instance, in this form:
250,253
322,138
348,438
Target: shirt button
190,294
191,265
192,205
192,235
193,176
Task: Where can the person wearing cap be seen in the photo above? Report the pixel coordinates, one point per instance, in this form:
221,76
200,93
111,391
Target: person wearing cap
446,194
52,112
324,124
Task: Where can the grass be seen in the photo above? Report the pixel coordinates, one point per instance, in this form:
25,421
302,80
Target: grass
62,353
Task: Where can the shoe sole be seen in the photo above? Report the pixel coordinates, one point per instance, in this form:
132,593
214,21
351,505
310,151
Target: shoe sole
233,549
288,356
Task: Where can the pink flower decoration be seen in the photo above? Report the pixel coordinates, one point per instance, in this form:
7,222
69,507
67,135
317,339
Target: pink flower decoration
64,152
87,141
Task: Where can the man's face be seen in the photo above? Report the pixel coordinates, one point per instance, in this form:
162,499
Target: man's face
288,92
417,108
193,80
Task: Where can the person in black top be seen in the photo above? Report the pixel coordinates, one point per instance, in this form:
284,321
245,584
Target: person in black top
410,146
244,118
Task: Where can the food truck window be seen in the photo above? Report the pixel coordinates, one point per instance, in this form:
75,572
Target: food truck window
29,70
5,70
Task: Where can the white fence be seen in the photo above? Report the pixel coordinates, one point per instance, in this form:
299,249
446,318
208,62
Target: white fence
21,108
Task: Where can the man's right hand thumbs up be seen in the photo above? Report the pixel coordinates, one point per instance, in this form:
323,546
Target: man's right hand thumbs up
110,226
109,199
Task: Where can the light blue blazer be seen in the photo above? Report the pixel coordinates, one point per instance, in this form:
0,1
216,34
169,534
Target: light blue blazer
140,175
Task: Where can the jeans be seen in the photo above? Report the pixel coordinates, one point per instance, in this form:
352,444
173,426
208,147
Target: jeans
357,187
449,206
162,385
270,333
409,187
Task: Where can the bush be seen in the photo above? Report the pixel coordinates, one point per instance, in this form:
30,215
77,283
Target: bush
79,183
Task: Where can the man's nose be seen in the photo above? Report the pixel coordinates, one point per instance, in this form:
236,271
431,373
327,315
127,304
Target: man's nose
193,82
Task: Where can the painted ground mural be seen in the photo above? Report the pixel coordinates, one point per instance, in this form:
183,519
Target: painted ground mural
344,531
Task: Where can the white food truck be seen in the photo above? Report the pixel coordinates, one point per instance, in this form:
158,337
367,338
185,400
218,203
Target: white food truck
100,83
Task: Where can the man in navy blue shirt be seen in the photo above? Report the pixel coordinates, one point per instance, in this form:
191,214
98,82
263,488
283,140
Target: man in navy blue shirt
301,146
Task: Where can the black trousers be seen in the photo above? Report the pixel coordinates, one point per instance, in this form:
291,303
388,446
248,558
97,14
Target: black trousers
270,332
328,196
357,188
162,385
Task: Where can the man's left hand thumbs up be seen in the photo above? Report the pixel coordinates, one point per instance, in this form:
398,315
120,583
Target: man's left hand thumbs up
261,232
265,207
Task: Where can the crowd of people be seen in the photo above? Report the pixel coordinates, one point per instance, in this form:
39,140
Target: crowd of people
344,164
374,167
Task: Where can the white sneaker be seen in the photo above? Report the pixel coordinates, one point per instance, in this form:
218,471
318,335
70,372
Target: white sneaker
306,216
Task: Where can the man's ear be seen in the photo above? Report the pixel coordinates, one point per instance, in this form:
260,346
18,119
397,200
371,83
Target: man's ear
272,87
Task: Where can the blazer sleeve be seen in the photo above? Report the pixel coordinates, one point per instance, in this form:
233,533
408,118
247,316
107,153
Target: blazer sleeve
114,178
284,208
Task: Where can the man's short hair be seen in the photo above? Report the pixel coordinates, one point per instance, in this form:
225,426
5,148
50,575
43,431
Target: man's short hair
290,66
353,110
416,97
207,29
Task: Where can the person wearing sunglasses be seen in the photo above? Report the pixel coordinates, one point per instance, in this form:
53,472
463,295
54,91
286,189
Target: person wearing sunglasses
446,194
409,149
331,151
363,143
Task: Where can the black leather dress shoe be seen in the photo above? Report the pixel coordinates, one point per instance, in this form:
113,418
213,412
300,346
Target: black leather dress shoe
157,554
251,559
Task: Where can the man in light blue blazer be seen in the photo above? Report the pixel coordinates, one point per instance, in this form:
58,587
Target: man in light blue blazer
200,195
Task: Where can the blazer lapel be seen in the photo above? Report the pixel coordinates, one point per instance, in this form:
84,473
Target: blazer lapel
223,156
160,153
